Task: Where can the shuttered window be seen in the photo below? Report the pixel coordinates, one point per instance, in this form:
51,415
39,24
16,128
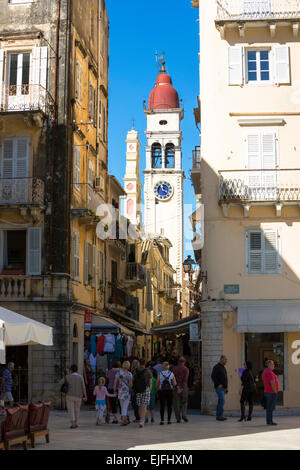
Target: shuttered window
76,167
15,158
78,75
263,252
34,250
76,256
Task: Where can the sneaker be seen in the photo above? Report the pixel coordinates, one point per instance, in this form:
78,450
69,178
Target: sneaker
185,419
115,422
179,421
169,422
107,419
141,425
221,419
161,423
272,424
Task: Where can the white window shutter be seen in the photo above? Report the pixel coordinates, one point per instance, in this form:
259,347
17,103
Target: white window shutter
8,159
91,102
1,76
77,167
235,65
34,251
268,144
270,251
255,252
94,266
35,71
86,262
253,151
44,67
21,158
282,64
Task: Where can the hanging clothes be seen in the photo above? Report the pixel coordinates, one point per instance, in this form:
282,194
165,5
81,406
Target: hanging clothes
119,350
129,345
100,343
110,343
93,362
93,340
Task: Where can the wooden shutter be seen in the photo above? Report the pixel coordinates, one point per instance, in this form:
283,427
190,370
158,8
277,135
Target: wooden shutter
86,262
94,267
1,77
270,251
34,251
254,252
21,164
8,159
91,102
282,64
235,65
78,81
95,107
35,72
76,258
44,67
77,167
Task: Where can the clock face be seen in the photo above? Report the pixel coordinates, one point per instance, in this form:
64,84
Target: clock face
163,190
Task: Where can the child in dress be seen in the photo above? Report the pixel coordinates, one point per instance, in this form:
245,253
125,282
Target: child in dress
101,393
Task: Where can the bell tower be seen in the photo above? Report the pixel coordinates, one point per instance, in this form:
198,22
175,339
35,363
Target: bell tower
163,189
132,183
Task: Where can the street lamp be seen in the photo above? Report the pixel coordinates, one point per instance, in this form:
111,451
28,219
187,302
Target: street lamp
188,265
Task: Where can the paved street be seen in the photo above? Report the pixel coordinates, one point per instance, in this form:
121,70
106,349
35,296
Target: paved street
202,432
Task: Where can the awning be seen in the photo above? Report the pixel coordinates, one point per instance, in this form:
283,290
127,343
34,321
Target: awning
106,322
2,344
178,327
23,331
125,317
276,318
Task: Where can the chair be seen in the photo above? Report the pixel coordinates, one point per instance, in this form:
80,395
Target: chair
15,426
2,419
38,421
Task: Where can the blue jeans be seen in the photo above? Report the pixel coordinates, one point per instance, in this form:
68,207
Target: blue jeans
221,401
271,404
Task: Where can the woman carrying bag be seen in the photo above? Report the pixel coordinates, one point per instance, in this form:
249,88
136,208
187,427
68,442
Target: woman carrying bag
247,391
73,386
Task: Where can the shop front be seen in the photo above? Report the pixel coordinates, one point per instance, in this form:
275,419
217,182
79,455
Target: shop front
183,338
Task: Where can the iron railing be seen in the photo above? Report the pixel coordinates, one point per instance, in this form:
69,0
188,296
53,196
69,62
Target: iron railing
260,185
257,9
26,98
136,272
21,191
197,158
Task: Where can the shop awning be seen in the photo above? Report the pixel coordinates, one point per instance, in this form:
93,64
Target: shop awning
177,327
116,312
277,318
106,322
23,331
2,344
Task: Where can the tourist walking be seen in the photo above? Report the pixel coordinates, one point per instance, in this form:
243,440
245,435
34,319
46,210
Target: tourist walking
159,366
271,389
7,384
113,400
151,406
76,391
123,383
135,364
142,383
220,380
89,382
101,393
165,385
247,391
181,391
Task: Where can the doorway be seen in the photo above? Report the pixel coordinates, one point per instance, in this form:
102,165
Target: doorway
19,356
259,347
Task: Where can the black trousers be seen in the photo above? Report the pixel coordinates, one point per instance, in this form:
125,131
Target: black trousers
247,396
165,397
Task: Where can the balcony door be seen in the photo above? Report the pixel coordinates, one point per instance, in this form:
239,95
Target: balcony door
14,183
18,79
261,155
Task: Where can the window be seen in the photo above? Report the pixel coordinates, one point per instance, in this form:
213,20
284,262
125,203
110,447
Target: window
259,66
15,158
76,254
76,167
78,75
170,156
20,1
20,251
156,155
89,264
18,73
263,252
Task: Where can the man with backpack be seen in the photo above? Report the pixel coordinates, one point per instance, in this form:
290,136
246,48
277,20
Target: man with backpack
165,385
142,383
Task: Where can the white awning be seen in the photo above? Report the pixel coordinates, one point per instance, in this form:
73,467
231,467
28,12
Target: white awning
2,344
22,331
276,318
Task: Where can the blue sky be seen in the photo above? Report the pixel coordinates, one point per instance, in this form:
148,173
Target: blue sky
138,29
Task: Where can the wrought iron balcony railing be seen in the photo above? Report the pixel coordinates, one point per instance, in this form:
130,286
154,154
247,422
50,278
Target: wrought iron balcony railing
136,272
25,98
19,191
257,9
197,158
282,185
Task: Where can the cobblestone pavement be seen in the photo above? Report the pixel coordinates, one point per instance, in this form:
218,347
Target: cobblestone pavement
201,432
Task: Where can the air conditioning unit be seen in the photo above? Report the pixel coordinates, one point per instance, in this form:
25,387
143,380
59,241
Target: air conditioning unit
98,184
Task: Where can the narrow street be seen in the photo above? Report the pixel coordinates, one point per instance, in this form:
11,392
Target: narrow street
200,433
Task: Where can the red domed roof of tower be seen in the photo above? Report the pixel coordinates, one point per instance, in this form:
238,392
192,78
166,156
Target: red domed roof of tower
163,95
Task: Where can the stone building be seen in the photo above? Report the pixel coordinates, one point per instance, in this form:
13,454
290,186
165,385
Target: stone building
53,137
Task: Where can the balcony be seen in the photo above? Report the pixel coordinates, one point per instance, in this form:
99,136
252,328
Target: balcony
195,171
241,12
21,192
85,201
26,98
260,187
171,295
135,276
14,287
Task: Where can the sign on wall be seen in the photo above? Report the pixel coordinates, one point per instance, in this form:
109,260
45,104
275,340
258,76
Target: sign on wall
194,332
296,354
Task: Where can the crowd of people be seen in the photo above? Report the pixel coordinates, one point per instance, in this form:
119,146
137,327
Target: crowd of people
132,382
247,389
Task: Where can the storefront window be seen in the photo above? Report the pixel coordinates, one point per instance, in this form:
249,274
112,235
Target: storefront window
259,347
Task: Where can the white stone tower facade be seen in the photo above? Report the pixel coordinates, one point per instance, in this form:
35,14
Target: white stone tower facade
163,188
132,183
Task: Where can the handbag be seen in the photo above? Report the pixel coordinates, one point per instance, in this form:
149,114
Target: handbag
65,386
